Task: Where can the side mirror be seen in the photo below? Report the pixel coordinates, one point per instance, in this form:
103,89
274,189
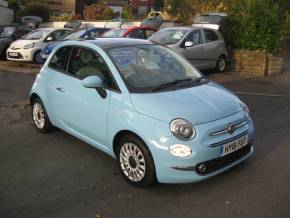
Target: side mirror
48,39
93,82
188,44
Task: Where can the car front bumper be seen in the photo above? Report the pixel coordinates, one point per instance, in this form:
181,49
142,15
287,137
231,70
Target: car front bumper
21,54
206,150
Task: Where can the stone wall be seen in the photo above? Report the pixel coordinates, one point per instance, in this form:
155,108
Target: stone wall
256,63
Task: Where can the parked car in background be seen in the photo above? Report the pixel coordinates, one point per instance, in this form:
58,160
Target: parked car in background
136,32
211,20
29,47
32,22
205,48
115,23
145,105
9,34
87,33
152,22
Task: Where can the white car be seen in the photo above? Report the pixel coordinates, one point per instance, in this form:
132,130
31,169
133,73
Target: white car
29,47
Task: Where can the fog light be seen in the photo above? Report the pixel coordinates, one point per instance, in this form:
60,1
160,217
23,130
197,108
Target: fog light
180,150
201,168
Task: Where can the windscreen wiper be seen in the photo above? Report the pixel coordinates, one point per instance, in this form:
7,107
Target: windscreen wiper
171,84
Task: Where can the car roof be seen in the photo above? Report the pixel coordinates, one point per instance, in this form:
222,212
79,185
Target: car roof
106,43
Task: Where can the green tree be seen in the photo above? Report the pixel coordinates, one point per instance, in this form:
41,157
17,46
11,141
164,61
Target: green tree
158,5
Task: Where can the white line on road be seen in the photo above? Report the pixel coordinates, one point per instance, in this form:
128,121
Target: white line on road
262,94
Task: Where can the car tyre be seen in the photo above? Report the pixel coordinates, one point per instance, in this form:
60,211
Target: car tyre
39,117
221,64
37,58
135,161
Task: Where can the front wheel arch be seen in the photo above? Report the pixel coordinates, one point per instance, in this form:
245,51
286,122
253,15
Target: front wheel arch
122,134
33,96
127,136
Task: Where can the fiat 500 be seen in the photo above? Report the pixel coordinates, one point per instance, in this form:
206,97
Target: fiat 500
145,105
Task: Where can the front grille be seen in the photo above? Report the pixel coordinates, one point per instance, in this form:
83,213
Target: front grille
221,162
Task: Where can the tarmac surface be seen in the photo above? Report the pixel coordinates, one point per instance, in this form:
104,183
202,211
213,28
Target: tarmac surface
57,175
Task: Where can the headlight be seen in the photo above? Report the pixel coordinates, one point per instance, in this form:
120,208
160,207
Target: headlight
182,129
31,45
245,108
180,150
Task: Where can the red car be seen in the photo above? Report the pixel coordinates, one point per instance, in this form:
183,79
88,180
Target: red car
137,32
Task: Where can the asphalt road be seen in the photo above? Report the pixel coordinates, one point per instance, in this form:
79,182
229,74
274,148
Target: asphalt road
57,175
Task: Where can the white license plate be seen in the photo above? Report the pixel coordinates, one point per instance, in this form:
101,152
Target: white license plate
13,54
234,145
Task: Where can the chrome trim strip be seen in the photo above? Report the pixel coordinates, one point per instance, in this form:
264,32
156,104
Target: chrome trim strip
239,125
228,140
191,168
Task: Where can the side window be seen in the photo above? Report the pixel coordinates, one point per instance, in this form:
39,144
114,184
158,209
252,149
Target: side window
210,36
92,34
194,37
137,34
56,35
84,63
149,33
59,59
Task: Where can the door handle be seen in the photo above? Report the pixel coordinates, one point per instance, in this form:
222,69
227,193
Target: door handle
60,89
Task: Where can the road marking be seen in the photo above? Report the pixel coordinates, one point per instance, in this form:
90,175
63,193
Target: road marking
262,94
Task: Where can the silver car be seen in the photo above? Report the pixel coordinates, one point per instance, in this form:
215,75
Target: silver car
205,48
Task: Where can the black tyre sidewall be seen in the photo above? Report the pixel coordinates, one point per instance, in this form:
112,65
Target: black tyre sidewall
150,174
35,57
217,64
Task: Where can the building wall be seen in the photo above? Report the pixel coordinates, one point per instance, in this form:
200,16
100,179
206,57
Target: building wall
6,14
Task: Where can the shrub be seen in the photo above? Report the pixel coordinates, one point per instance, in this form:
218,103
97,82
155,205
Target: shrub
98,12
257,26
35,10
127,12
287,24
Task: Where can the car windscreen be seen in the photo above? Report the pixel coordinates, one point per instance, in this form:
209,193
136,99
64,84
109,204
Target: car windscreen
153,68
213,19
114,33
168,36
7,32
37,34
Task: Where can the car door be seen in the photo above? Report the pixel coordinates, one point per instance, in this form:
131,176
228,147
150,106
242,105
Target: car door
82,111
211,47
195,54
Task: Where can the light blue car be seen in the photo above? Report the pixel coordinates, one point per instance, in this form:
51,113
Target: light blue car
146,106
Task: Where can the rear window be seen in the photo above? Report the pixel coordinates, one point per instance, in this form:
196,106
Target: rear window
214,19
